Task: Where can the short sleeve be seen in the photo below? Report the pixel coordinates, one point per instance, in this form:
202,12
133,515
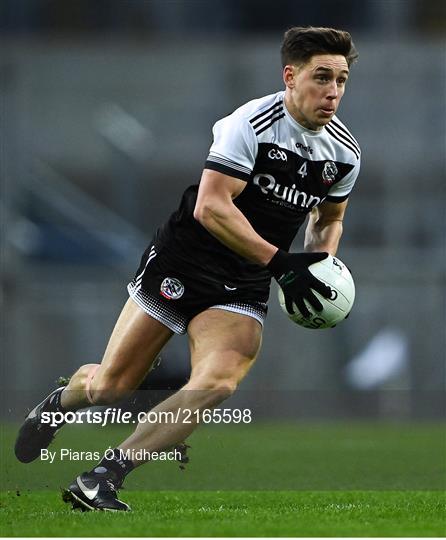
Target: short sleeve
234,149
340,191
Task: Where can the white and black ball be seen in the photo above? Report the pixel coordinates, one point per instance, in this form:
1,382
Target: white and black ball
337,276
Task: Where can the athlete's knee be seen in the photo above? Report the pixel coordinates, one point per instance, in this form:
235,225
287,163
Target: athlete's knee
220,375
224,388
213,387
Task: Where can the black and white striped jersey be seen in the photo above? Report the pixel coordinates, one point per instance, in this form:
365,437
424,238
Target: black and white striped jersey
288,170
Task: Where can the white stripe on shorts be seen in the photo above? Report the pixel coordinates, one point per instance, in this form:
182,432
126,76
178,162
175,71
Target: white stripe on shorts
138,278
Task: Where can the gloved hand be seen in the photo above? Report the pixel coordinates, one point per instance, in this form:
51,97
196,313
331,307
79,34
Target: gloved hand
292,274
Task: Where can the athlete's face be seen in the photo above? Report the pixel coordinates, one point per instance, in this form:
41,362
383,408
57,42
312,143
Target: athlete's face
315,89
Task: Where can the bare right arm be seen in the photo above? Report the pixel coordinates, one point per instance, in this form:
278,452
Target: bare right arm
216,211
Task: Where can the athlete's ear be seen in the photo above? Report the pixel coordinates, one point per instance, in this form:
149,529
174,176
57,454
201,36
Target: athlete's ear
288,76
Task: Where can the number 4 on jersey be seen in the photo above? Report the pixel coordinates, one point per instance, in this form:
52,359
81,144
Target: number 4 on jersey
303,170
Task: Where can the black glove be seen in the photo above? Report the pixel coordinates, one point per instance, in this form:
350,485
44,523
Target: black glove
292,274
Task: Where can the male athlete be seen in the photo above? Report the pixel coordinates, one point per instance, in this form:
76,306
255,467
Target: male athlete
207,272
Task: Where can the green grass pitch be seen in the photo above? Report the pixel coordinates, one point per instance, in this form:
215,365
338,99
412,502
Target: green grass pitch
339,479
234,513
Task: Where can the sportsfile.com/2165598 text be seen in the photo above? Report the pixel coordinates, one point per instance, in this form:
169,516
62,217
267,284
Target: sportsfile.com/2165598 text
113,415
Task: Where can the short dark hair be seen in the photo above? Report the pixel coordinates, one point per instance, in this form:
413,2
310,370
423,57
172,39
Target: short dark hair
301,43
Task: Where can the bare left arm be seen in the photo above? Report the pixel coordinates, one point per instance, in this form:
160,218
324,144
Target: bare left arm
324,229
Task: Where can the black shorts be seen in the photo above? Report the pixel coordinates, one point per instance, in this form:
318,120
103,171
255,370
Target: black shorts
174,294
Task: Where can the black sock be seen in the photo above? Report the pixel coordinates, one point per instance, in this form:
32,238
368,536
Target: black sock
115,466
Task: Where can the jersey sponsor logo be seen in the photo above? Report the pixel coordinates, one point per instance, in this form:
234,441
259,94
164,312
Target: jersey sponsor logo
274,153
304,148
172,288
329,172
289,195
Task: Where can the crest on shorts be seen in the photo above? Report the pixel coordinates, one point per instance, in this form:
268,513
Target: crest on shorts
329,173
172,288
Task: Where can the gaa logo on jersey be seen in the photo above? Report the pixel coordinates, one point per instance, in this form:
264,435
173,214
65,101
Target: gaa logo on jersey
172,288
329,173
275,153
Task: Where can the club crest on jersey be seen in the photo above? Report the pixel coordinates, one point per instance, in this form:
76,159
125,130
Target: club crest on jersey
172,288
329,172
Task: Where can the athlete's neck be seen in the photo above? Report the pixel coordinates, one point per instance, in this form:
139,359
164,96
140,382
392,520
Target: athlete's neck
298,115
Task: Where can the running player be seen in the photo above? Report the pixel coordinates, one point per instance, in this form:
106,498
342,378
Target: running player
207,271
